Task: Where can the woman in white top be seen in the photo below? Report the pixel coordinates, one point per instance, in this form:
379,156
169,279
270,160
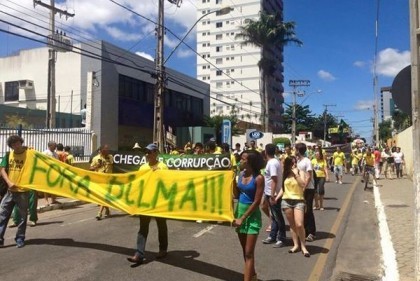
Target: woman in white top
398,161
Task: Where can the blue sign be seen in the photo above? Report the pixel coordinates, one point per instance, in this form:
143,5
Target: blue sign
227,132
256,135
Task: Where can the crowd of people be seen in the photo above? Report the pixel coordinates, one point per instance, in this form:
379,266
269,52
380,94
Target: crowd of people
286,183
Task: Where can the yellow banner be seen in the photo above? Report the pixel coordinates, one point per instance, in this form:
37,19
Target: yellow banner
189,195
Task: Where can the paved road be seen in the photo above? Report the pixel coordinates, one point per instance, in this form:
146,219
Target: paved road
71,245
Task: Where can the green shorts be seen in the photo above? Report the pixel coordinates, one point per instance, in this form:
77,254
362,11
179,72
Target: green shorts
252,224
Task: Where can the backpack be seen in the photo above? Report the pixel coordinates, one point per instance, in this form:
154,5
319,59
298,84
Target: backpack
3,184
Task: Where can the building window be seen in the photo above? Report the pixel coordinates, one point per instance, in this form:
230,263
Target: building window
219,36
11,91
219,24
219,85
219,61
218,48
204,34
218,1
204,67
204,44
218,72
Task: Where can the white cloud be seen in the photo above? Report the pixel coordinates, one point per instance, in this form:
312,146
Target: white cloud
185,53
359,63
145,55
325,75
391,61
364,105
118,34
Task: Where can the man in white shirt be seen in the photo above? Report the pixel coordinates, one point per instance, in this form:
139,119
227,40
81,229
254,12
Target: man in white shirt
305,167
51,152
273,181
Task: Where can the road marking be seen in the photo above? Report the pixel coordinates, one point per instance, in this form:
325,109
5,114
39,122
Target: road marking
203,231
322,260
388,251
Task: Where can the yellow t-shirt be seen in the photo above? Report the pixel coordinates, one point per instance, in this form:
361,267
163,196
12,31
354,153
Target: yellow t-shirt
356,158
369,160
16,161
339,158
107,163
319,167
292,190
158,166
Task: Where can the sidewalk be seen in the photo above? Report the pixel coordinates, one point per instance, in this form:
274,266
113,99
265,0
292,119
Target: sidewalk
398,197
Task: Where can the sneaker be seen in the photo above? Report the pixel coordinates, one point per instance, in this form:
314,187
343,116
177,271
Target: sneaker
278,244
99,217
20,243
340,182
336,181
32,223
269,240
310,238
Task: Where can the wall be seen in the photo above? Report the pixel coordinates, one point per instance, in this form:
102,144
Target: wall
404,140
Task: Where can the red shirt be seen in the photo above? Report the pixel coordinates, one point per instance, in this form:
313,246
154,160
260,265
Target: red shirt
377,155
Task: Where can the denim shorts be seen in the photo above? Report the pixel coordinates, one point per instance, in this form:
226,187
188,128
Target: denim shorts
293,204
338,170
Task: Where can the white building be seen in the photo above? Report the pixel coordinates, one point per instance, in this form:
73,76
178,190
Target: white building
231,68
116,86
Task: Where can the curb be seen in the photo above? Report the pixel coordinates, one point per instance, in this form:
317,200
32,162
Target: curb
63,205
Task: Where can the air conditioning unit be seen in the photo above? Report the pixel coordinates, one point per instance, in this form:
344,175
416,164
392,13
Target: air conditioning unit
26,84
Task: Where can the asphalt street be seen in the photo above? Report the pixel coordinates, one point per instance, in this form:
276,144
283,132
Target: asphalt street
71,245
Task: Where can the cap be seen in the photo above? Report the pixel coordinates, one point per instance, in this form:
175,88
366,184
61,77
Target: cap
136,146
151,147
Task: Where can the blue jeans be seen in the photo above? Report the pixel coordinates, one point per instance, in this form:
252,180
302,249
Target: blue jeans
21,200
278,226
144,231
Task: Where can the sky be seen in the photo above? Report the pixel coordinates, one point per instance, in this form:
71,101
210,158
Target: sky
338,55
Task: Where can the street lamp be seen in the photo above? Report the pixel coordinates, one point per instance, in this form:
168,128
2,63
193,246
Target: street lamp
158,126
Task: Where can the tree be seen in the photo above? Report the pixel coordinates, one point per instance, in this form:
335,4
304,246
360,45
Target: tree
304,118
401,120
216,122
267,32
385,130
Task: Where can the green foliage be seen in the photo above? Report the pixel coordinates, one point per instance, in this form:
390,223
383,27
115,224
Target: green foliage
216,122
401,120
385,130
13,121
285,141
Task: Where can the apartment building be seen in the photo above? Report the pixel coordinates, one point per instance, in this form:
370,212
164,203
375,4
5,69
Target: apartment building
231,68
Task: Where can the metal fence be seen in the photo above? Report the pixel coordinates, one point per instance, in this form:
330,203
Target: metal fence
79,139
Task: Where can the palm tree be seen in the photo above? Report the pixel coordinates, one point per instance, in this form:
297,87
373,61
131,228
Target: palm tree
267,32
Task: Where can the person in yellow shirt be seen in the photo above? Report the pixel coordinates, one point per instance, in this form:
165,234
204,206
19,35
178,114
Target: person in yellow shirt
15,194
293,204
356,156
368,167
153,164
339,160
103,162
321,171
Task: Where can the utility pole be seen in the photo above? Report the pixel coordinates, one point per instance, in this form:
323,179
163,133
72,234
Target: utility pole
54,40
415,86
295,84
325,119
158,129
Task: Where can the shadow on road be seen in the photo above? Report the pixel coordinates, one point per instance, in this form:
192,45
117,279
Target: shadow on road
330,198
182,259
324,235
47,223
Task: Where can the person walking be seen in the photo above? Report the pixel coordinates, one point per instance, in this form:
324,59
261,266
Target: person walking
102,163
272,186
248,219
16,195
306,173
398,161
293,204
51,152
339,160
153,164
321,171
